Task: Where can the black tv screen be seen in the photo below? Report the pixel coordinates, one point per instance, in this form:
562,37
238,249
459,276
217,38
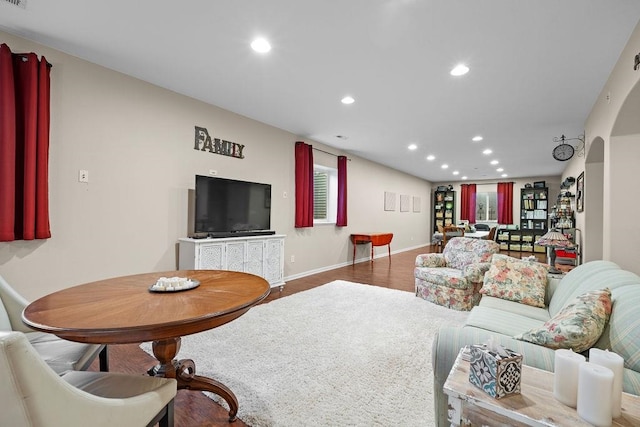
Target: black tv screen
230,207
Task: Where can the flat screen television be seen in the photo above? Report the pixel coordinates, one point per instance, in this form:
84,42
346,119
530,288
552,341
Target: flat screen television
228,207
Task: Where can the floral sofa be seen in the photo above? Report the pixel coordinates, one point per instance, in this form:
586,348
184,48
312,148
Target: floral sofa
594,305
454,277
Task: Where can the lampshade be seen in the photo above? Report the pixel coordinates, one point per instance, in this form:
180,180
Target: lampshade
554,239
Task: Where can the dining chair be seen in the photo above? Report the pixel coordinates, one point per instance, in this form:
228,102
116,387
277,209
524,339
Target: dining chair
437,239
61,355
33,395
492,234
451,231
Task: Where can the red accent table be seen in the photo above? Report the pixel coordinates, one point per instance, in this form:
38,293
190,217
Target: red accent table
376,239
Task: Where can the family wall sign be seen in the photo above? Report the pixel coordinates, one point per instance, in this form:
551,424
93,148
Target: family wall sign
204,142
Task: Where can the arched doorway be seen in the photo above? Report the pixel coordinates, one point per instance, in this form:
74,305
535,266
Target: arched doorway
621,170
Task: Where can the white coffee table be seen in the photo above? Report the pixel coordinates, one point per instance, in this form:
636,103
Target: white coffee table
534,406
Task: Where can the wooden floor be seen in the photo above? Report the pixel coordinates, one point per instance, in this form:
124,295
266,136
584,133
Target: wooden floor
193,408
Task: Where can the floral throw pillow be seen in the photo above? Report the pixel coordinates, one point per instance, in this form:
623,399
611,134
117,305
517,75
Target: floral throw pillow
517,280
577,326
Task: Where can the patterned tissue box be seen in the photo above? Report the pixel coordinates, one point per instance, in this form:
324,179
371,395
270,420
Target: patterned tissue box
496,375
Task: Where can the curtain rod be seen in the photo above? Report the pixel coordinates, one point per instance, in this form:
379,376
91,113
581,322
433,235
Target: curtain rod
488,183
331,154
25,58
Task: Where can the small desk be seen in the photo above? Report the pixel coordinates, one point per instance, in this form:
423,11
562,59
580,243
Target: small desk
535,406
122,310
376,239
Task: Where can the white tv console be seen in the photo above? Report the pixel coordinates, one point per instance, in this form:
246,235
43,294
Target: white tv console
259,255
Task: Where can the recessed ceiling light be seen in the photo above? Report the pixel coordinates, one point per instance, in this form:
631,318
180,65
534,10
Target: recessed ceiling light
456,172
261,45
464,177
412,147
487,151
500,170
477,138
494,162
348,100
460,70
431,157
445,166
504,175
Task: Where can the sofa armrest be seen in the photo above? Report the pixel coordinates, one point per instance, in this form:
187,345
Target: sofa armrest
474,273
553,281
430,260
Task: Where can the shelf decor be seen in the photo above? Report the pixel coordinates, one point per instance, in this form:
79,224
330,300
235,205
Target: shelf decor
444,208
554,239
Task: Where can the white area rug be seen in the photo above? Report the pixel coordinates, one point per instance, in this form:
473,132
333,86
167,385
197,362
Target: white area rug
340,354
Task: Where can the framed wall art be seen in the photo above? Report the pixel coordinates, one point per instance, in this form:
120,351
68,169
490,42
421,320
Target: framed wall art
580,193
389,201
416,204
405,202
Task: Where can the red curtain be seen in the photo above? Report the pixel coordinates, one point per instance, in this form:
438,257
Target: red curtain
468,202
505,203
341,220
304,185
24,146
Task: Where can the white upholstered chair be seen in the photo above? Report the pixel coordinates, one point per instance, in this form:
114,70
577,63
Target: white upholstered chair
61,355
33,395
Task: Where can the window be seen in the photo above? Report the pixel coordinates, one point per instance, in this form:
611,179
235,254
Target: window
486,206
325,194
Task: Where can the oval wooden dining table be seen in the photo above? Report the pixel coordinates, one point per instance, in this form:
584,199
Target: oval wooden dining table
124,310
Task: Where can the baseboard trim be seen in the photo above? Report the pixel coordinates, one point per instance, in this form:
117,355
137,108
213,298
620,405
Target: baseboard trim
346,263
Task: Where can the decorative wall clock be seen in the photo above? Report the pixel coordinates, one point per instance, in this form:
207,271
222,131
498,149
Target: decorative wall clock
563,152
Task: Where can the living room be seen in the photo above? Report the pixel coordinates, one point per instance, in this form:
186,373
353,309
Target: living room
136,141
127,142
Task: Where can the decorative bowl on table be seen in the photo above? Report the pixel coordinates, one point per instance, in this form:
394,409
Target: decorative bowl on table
173,284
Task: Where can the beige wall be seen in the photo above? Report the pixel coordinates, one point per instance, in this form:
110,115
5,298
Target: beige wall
136,141
622,240
613,132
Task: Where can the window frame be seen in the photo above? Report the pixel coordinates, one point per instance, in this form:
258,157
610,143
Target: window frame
487,218
331,196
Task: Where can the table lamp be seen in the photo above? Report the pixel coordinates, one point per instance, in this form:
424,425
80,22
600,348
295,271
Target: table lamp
554,239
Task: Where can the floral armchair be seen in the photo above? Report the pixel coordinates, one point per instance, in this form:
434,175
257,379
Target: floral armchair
454,277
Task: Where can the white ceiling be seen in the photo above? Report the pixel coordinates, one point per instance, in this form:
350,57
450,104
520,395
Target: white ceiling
537,68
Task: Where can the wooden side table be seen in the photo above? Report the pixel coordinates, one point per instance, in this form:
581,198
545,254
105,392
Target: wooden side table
376,239
534,406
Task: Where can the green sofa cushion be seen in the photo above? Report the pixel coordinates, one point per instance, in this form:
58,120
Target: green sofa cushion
590,276
495,303
501,322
